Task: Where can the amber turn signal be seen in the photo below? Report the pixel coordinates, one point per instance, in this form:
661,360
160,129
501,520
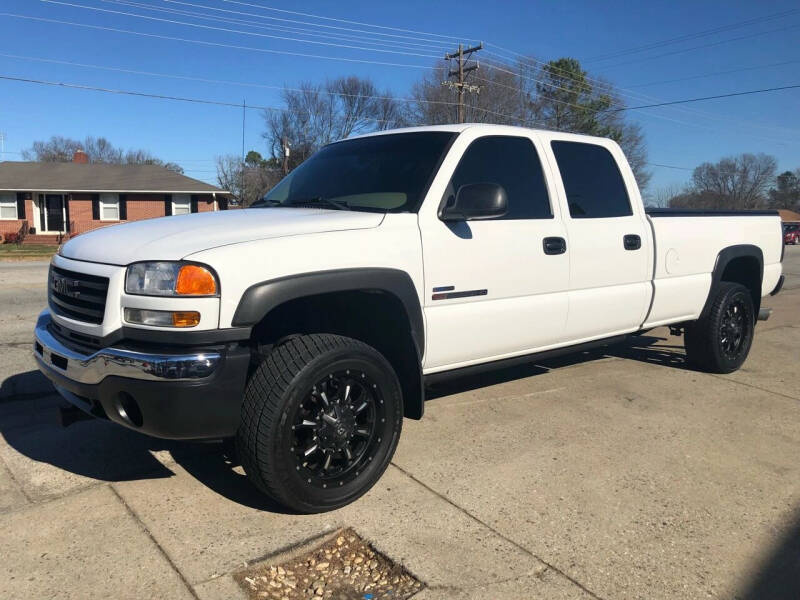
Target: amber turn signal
185,319
194,280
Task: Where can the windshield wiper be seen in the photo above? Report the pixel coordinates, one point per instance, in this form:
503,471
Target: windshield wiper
317,200
262,202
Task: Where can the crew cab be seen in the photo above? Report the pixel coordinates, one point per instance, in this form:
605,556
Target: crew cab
307,326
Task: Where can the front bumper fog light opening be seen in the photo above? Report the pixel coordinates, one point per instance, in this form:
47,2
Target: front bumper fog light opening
128,409
162,318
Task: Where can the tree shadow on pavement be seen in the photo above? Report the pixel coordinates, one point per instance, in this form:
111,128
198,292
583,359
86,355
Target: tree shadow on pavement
778,576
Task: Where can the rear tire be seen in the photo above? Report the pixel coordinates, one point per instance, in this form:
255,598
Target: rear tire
321,419
720,341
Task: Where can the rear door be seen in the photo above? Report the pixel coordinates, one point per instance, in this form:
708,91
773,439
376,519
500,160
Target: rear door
611,254
491,291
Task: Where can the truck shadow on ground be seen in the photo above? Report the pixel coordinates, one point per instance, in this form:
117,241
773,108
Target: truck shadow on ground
642,348
104,451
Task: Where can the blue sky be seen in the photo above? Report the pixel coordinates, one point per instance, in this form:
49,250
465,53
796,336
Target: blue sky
193,134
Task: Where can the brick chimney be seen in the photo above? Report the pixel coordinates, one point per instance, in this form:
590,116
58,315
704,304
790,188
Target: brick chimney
80,157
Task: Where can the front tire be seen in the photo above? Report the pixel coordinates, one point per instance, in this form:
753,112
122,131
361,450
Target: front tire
720,341
321,419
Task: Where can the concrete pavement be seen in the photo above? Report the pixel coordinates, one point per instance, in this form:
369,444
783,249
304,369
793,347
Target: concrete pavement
603,475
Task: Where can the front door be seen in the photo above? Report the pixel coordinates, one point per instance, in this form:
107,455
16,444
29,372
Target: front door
492,289
51,212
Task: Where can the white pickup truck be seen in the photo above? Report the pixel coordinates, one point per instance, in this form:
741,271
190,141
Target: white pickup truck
307,326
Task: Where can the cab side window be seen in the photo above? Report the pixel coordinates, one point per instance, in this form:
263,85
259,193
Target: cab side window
511,162
595,188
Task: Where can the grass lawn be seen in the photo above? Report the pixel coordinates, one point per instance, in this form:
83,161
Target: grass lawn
26,252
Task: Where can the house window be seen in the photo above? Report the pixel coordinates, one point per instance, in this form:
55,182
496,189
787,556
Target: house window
8,206
109,207
181,204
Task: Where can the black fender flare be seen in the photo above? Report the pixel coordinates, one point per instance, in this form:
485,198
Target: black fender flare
261,298
724,258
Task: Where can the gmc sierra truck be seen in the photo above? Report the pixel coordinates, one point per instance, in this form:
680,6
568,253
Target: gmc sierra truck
307,326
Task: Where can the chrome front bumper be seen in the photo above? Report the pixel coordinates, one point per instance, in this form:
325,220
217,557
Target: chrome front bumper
91,369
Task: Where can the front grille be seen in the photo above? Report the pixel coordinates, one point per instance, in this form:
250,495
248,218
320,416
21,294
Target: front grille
77,295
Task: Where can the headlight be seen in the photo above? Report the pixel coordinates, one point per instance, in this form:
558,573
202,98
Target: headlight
170,279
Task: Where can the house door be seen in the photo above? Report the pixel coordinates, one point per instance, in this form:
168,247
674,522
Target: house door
51,212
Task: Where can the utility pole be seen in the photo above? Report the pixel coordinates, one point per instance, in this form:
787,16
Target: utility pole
285,148
241,191
462,56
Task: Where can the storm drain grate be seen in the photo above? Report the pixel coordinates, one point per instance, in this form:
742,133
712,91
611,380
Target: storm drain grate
344,568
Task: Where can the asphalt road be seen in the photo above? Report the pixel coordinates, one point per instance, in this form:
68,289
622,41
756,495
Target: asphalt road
604,475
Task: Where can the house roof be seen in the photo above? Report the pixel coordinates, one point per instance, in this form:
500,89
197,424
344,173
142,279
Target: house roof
789,216
96,177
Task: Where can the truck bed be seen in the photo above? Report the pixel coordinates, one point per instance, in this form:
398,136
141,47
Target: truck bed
687,243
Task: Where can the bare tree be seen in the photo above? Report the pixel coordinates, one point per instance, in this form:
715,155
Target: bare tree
736,182
99,150
664,197
502,99
247,182
317,114
557,95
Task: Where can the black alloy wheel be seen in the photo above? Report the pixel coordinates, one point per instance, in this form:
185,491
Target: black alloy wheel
732,328
720,341
321,418
335,430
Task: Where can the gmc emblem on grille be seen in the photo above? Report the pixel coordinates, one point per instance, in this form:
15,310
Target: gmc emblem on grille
66,287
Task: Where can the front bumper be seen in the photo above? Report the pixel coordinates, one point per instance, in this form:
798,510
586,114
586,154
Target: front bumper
191,393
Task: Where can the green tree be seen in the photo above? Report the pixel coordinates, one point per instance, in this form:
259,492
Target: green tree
567,99
786,193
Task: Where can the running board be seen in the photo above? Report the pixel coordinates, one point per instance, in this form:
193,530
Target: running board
526,358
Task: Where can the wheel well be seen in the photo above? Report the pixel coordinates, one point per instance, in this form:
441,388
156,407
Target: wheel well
375,317
745,270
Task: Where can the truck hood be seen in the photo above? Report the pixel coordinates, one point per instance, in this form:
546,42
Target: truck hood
173,238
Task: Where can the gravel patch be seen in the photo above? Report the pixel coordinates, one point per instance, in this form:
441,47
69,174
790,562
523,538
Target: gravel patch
344,568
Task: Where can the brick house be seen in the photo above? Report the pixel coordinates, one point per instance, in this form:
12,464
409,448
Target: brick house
50,200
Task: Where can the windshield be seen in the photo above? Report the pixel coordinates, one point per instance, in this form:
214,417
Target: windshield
387,173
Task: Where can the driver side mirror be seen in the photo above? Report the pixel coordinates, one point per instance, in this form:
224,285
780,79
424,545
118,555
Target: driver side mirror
476,201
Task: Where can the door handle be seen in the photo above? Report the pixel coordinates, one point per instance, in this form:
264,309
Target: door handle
632,242
554,245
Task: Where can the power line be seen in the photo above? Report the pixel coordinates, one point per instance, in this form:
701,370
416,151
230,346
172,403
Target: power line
347,21
282,28
182,98
708,45
731,95
633,95
220,81
225,10
716,73
202,42
213,44
669,166
79,86
692,36
239,31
